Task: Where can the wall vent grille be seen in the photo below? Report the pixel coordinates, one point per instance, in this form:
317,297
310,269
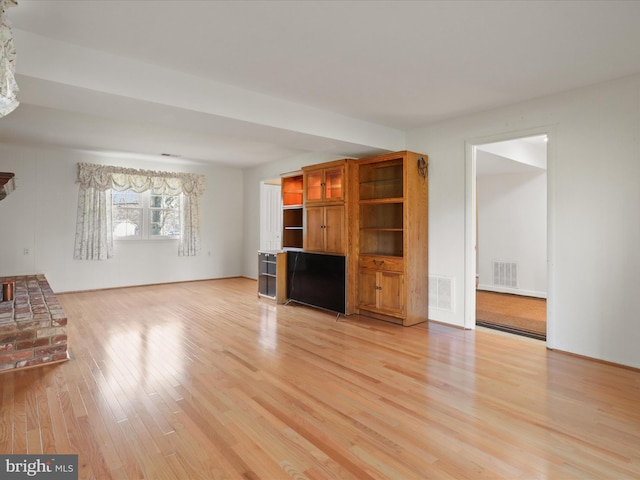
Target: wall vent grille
441,293
505,274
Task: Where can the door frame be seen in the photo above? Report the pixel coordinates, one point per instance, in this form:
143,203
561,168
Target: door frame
471,204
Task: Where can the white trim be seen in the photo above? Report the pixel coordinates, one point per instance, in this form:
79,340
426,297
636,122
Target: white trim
512,291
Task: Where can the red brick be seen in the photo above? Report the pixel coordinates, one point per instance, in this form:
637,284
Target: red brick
18,336
50,350
34,324
5,329
58,322
14,356
60,356
41,342
51,332
59,340
31,363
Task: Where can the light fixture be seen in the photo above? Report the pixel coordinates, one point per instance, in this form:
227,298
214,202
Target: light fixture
8,86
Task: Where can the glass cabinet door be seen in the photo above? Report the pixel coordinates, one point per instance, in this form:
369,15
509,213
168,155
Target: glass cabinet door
333,184
314,186
324,185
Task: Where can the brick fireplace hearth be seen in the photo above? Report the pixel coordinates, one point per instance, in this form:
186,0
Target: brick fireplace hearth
33,326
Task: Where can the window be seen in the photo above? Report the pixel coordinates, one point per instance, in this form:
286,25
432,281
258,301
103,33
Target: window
126,214
164,215
96,223
145,215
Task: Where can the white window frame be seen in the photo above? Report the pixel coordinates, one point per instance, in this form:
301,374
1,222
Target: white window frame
146,209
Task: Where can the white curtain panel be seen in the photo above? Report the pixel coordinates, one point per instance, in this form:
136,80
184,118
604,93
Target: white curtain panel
94,235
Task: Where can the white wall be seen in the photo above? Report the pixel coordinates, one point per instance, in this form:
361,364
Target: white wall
594,202
40,216
512,227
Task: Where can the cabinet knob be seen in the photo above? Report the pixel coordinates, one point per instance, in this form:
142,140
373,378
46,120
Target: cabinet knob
378,262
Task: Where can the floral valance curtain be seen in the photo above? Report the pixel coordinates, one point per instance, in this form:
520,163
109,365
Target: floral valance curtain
94,235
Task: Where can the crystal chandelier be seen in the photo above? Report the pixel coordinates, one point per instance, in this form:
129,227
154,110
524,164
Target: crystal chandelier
8,85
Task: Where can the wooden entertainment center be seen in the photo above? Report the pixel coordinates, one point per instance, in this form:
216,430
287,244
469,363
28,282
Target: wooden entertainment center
374,212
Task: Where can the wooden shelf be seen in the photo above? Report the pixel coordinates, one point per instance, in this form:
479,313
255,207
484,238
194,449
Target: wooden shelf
392,238
7,184
378,201
292,193
5,177
292,227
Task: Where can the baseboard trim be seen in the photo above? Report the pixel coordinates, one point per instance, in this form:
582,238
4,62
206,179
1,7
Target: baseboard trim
511,291
151,284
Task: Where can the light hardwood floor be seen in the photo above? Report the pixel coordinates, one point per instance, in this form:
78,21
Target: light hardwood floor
203,380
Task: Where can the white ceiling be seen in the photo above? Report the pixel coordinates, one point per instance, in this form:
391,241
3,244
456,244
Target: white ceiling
246,82
519,155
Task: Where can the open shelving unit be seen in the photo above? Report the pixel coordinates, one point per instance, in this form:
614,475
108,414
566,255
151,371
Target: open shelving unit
392,237
272,275
381,205
292,211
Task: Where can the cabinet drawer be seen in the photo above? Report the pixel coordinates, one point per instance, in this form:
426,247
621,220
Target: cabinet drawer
393,264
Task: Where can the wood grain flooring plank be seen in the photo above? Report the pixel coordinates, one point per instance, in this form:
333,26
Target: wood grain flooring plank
19,431
7,384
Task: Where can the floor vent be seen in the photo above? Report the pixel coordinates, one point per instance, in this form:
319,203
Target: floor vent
505,274
441,293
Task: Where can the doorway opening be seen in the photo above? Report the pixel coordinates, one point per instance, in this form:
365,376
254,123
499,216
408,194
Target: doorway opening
510,235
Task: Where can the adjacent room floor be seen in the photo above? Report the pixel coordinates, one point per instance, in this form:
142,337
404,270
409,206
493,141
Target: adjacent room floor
512,313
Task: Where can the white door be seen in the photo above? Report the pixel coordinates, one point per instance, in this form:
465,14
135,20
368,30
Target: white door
270,217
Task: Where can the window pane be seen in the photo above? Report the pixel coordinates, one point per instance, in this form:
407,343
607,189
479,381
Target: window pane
156,201
126,214
171,201
128,198
164,215
164,201
165,223
156,216
127,222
